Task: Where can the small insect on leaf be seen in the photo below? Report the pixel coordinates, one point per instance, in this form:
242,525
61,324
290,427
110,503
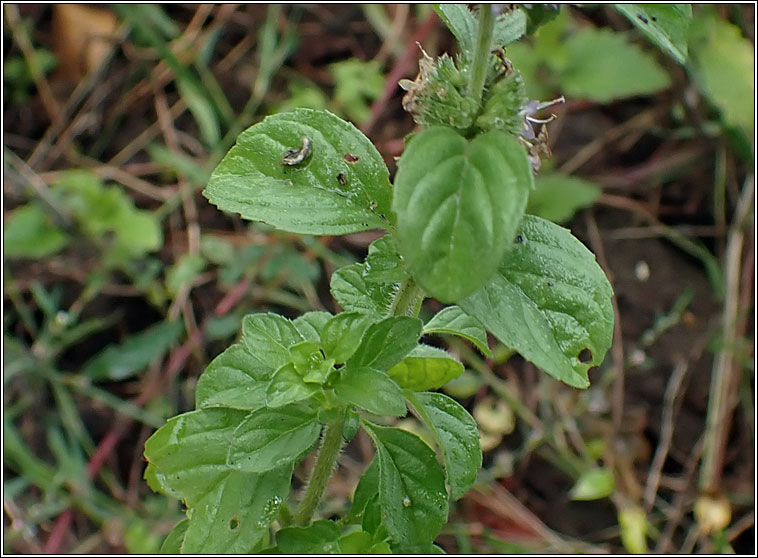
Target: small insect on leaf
294,157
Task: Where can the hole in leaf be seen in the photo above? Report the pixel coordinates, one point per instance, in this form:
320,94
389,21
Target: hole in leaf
585,357
350,158
341,179
234,524
520,239
550,283
654,18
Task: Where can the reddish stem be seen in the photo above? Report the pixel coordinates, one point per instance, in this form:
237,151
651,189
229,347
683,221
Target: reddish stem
398,71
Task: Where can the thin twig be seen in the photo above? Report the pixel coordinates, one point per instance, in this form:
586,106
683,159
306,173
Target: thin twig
398,71
741,525
642,120
721,399
392,40
667,431
145,137
108,172
495,498
617,348
38,185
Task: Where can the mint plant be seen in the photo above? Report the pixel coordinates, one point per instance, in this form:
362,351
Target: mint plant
456,230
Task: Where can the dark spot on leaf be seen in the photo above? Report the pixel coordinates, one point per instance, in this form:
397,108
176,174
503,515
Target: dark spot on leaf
642,18
234,524
341,179
520,239
550,283
654,18
585,357
350,158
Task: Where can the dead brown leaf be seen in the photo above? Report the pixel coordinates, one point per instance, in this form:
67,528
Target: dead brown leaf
82,38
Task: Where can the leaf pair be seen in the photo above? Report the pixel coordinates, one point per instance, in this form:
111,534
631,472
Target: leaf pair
457,202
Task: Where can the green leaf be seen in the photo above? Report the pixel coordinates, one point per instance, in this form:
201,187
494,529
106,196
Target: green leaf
173,542
233,379
602,66
539,14
184,271
156,481
320,537
108,214
427,549
454,321
384,263
664,24
426,368
371,390
29,233
509,25
342,335
306,356
310,324
412,493
351,290
594,484
218,250
372,520
557,197
357,84
458,204
367,489
459,438
341,187
189,452
385,343
271,438
119,362
137,232
234,517
549,301
139,537
464,386
287,386
268,338
351,425
724,68
461,22
361,542
634,528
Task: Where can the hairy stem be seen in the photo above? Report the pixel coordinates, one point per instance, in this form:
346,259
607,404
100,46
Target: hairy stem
482,53
327,457
408,299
